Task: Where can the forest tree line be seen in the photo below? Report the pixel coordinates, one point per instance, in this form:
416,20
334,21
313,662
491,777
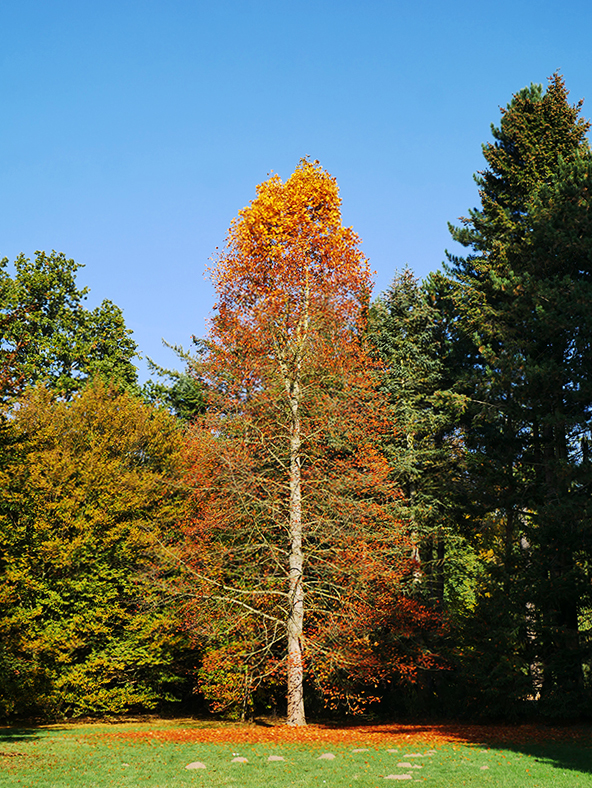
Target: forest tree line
342,505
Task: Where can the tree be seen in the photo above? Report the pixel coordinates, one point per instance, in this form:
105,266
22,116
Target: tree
47,334
182,394
292,540
520,306
85,493
423,448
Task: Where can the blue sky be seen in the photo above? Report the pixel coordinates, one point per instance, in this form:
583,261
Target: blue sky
133,131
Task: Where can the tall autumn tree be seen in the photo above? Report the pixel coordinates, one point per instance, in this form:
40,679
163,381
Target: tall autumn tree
292,545
521,304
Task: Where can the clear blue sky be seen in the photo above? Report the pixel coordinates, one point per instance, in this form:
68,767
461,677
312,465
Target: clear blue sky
133,131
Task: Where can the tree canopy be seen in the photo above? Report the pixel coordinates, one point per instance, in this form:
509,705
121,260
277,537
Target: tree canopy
293,540
49,337
85,493
376,506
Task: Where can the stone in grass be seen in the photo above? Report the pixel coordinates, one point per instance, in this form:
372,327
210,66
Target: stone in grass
361,749
196,765
393,749
239,760
276,758
485,767
326,756
413,755
398,777
406,765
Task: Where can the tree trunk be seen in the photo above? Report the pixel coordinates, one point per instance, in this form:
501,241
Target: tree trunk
295,694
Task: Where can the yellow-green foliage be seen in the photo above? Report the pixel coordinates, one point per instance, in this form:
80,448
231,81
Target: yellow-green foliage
85,487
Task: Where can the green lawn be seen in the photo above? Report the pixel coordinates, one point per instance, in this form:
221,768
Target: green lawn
89,756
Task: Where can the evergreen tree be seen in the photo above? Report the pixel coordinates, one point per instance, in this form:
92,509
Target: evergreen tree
423,451
182,393
521,305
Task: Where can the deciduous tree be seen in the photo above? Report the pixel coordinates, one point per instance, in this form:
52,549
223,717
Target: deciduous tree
84,495
292,545
49,336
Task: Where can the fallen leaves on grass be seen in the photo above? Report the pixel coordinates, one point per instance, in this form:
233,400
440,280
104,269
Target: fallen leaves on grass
373,735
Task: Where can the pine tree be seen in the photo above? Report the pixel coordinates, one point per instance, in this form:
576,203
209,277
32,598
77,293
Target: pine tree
422,448
521,305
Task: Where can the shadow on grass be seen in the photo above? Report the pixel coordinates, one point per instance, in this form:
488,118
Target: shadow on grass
9,735
567,757
565,748
568,748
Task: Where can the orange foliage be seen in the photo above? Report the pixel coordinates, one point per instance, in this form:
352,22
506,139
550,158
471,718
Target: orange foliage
285,364
372,735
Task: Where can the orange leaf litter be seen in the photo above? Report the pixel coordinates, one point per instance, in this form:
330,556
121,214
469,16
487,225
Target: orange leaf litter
376,735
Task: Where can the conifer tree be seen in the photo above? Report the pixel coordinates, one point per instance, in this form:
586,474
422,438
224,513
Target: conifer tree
423,452
522,301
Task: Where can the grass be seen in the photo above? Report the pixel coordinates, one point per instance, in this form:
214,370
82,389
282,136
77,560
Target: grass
156,754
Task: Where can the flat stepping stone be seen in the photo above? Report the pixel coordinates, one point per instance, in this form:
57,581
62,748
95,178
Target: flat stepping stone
398,777
239,760
394,749
196,765
326,756
484,767
361,749
413,755
276,758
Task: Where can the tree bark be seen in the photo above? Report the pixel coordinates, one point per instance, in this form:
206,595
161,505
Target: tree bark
295,694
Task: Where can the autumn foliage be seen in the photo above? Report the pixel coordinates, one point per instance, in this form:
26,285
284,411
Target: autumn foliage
295,555
83,499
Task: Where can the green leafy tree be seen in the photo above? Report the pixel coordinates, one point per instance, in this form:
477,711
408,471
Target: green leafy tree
48,335
84,500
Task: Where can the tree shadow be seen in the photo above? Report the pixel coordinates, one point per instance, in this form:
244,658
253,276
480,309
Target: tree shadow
12,733
564,756
567,748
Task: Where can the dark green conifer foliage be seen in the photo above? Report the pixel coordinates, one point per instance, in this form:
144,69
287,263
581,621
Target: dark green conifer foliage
522,310
423,450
